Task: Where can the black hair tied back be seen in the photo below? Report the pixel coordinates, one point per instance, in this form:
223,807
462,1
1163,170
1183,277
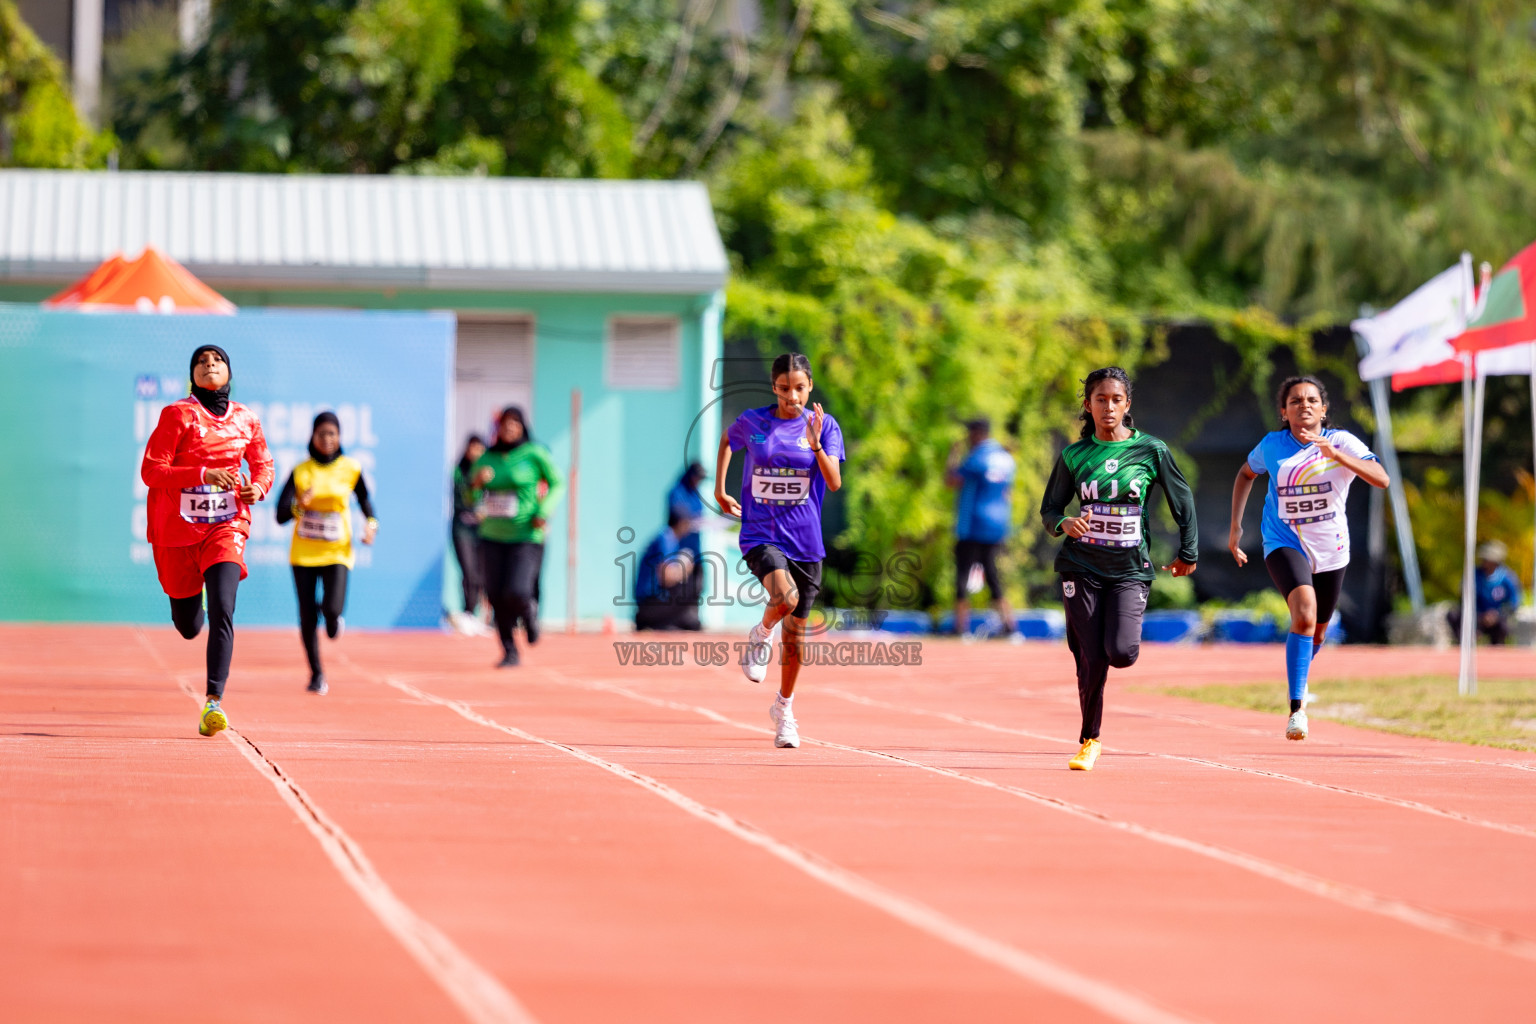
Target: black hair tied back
1092,381
789,362
1284,394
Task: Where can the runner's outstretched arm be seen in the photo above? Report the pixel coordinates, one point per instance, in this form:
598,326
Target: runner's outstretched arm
156,470
285,500
259,457
1181,503
728,505
1058,495
1240,488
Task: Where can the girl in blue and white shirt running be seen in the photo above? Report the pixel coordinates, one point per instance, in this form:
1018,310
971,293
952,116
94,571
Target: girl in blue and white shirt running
1306,538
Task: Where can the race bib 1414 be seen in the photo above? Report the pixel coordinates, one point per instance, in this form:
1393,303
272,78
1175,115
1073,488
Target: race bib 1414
208,504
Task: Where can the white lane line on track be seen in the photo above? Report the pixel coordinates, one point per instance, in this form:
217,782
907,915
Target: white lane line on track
1107,999
1338,892
475,990
1411,805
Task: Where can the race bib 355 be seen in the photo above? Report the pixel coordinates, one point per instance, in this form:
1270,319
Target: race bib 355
1114,526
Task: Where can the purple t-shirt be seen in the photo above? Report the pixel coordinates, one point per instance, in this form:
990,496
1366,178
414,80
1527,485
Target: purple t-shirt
781,487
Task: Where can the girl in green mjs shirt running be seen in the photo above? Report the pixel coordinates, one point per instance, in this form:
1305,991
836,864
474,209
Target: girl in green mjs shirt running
1105,565
506,489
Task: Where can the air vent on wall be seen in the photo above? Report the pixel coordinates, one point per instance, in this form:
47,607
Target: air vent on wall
643,353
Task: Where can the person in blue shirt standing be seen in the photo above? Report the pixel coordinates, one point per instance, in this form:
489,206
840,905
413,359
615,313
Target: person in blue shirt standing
1498,594
684,499
982,521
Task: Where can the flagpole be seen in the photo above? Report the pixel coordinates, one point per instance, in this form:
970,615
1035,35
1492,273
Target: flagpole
1386,448
1472,391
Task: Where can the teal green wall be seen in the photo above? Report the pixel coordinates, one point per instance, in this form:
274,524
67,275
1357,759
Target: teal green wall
634,444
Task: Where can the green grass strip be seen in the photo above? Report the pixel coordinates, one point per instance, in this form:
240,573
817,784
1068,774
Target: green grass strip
1502,714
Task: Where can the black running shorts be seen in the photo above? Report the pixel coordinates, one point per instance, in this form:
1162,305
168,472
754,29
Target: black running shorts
765,558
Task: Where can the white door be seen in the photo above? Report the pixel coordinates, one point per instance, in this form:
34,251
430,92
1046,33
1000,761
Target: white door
494,369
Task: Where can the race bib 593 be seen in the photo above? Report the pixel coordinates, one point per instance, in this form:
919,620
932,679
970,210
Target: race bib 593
1306,503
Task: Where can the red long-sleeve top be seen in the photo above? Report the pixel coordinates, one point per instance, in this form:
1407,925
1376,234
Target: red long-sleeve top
188,440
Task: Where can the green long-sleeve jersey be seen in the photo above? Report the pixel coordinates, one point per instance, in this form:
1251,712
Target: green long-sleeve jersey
1112,481
510,501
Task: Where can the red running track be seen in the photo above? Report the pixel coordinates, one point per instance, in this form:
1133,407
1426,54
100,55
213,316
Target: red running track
578,840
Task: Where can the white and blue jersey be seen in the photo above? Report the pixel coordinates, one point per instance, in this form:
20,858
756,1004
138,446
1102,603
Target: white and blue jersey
1304,508
986,494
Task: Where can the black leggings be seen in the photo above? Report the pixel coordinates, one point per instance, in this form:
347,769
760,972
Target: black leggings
1103,632
332,580
466,546
1290,569
511,574
220,581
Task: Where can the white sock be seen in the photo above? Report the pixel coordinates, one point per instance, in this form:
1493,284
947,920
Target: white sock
782,700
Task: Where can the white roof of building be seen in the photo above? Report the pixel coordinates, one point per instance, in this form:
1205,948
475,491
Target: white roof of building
367,231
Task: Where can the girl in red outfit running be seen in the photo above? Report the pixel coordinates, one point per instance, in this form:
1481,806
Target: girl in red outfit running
199,511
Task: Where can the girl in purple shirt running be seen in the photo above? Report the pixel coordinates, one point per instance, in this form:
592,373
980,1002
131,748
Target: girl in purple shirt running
794,458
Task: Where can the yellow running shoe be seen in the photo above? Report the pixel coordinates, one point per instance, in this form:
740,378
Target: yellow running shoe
1083,762
213,718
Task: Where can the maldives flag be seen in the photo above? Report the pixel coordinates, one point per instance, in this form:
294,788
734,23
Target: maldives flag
1508,316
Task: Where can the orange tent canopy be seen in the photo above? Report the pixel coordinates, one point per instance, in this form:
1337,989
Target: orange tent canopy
152,283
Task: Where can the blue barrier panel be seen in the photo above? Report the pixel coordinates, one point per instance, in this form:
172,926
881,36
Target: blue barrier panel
81,392
1042,623
1170,627
1240,627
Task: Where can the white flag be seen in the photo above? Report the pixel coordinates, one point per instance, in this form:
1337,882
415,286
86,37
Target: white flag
1511,360
1417,332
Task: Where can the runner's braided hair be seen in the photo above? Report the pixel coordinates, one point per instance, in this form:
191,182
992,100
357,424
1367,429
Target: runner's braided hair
1284,394
1092,381
789,362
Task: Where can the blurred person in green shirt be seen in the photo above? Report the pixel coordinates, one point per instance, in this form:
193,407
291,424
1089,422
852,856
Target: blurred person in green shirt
507,482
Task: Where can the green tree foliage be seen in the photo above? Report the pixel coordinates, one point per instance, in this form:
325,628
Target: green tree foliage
38,123
439,86
953,207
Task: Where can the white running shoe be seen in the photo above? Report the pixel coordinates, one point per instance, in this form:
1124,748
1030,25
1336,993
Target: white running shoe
787,731
1296,726
754,664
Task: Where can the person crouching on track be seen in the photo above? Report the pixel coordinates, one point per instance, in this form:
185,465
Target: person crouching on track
1105,564
1306,538
317,497
199,512
666,596
794,457
506,480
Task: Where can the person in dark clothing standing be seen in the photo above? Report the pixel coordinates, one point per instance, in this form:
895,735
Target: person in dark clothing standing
506,487
1105,564
466,526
